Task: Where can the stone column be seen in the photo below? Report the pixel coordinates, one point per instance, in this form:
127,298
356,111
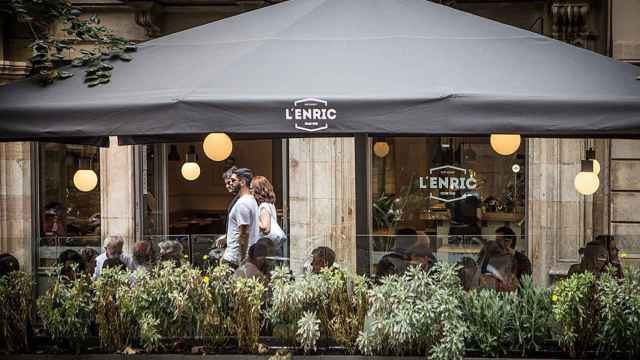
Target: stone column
16,202
117,192
322,199
559,218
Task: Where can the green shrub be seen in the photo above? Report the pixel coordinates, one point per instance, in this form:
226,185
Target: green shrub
66,309
15,310
417,313
532,317
308,331
619,316
575,312
489,316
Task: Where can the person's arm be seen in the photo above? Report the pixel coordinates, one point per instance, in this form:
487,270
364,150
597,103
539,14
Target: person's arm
265,221
243,241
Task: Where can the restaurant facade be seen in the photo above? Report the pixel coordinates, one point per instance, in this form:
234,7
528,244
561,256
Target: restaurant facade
350,193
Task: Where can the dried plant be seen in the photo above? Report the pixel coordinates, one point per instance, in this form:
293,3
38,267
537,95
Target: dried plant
15,309
247,315
213,322
117,329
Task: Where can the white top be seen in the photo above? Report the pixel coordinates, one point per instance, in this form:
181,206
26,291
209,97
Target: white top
243,212
126,259
275,234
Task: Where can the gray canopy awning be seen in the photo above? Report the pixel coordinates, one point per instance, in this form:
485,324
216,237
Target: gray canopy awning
336,67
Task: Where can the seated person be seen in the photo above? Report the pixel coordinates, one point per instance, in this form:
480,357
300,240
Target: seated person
114,263
497,268
171,250
396,262
8,264
72,264
597,255
322,257
113,249
507,240
253,266
422,256
143,255
89,255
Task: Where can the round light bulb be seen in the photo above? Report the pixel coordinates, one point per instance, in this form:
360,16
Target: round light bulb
381,149
586,183
217,146
596,167
190,171
505,144
85,180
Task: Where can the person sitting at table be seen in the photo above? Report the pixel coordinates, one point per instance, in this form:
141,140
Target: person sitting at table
397,261
113,249
90,256
421,255
143,255
322,257
171,250
8,264
253,266
507,240
72,264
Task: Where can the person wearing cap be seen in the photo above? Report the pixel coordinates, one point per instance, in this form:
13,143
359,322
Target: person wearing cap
113,249
242,223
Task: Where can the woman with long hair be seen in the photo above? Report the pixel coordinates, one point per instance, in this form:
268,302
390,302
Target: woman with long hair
262,191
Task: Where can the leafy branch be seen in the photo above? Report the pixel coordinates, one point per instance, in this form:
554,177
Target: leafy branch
48,50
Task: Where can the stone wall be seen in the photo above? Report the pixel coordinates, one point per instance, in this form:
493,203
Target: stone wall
322,199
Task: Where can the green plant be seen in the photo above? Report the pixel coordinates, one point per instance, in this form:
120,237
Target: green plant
166,300
247,317
489,316
575,312
213,322
291,299
117,329
417,313
66,309
308,331
56,27
532,317
619,316
15,309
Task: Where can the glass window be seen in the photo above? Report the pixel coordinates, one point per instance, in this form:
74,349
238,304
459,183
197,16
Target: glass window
69,218
450,193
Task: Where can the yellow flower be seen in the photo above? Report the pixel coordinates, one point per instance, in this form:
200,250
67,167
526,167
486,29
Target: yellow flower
554,297
206,257
185,256
623,254
205,279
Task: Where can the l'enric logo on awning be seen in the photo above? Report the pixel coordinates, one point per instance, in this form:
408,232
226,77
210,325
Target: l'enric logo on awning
310,114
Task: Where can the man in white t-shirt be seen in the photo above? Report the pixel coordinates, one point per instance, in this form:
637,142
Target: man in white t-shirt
242,223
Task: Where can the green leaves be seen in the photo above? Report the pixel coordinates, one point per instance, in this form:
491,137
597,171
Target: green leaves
15,310
49,52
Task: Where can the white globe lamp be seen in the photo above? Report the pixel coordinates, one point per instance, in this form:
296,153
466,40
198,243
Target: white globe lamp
587,182
217,146
381,149
505,144
85,180
190,169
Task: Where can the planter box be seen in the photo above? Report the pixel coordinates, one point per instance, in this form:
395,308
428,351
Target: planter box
205,357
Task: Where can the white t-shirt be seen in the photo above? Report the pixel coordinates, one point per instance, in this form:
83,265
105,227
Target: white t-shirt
276,234
243,212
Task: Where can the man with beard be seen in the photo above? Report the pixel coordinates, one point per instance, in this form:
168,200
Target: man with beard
242,222
228,184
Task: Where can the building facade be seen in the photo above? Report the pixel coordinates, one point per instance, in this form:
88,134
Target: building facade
330,190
